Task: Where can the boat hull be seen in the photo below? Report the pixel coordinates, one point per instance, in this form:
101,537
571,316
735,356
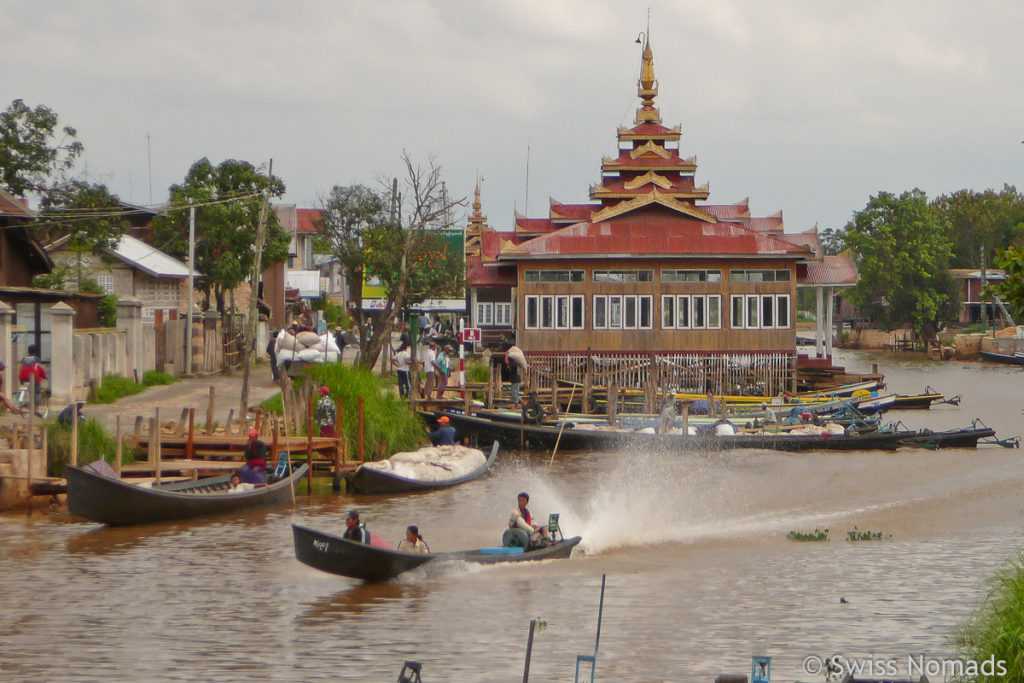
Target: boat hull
370,480
1012,359
337,555
119,503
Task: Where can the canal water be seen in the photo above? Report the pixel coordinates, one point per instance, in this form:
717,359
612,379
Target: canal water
700,573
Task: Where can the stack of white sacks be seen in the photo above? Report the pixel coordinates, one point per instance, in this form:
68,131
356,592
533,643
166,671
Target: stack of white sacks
308,347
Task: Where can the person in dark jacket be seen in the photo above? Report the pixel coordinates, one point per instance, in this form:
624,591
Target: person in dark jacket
354,529
254,469
444,435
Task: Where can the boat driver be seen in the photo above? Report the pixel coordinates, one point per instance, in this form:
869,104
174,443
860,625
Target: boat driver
522,519
354,530
444,435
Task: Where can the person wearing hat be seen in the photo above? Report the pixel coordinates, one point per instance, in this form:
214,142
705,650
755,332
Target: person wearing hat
413,542
325,413
444,435
522,519
354,529
254,469
4,400
67,415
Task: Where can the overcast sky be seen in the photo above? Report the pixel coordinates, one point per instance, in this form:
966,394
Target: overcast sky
805,106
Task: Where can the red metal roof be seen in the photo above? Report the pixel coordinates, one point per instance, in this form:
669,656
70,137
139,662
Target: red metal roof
684,184
766,224
306,220
837,269
479,275
580,212
726,211
647,162
534,224
490,241
658,232
652,129
11,206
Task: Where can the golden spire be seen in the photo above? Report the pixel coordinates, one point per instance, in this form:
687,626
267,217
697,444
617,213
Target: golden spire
476,200
647,87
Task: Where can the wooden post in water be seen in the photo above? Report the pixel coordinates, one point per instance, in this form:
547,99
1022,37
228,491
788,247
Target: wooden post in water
209,412
179,429
338,436
74,435
686,418
155,438
309,446
588,386
117,451
342,441
613,400
190,442
275,441
138,427
359,411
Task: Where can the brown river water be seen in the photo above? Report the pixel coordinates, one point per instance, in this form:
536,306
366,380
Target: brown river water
700,573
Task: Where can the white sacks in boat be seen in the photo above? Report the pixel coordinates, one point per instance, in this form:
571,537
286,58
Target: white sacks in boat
308,347
433,463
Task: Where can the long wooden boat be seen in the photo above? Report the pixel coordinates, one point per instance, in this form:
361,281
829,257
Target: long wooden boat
580,439
370,480
337,555
1012,359
119,503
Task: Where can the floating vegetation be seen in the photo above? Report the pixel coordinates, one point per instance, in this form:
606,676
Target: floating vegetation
858,535
816,535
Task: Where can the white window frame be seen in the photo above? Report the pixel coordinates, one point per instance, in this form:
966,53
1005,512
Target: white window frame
717,298
535,300
503,313
577,301
547,313
768,306
668,312
562,312
741,323
484,314
600,312
613,300
629,301
644,304
753,305
782,303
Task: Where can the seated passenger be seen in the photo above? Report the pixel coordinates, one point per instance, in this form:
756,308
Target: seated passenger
237,486
724,428
522,519
253,471
413,542
354,530
444,435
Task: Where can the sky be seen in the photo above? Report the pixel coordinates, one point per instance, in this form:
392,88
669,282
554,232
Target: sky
805,106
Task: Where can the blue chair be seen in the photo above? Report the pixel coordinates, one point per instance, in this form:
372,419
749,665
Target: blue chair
592,659
281,471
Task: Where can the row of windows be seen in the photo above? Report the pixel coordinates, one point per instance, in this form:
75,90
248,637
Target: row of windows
667,275
498,313
678,312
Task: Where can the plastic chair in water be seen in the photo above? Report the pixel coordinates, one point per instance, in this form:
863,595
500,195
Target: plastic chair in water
413,675
281,471
592,659
554,531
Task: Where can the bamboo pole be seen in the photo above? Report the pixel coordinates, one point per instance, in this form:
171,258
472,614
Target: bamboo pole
190,442
117,451
359,411
74,435
309,447
209,412
560,429
339,434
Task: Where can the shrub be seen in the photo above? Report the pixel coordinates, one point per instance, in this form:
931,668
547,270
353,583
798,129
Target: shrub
94,443
858,535
154,377
996,631
386,417
114,387
816,535
476,372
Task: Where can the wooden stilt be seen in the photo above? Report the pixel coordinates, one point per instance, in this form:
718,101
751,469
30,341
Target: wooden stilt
117,448
209,412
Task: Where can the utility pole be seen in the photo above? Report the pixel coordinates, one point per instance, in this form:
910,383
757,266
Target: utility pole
191,286
249,337
981,295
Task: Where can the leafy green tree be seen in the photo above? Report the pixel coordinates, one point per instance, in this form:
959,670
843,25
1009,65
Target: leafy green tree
1010,290
227,198
30,154
832,241
88,214
396,237
902,249
981,222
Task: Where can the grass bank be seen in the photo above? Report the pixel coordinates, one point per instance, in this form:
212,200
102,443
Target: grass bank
387,419
114,387
94,442
996,632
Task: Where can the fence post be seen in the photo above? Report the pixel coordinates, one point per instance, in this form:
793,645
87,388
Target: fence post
129,317
61,364
6,335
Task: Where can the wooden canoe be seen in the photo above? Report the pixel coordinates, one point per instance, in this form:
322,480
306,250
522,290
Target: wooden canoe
119,503
371,480
1012,359
337,555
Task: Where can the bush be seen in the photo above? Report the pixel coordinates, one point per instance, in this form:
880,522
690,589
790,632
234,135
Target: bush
476,372
997,628
114,387
108,311
153,378
386,417
94,443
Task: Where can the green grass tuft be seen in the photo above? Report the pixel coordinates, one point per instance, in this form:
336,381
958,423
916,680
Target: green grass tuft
816,535
114,387
94,443
386,417
858,535
153,378
996,631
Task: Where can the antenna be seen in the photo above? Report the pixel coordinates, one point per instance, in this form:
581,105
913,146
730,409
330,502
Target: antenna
149,162
526,210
